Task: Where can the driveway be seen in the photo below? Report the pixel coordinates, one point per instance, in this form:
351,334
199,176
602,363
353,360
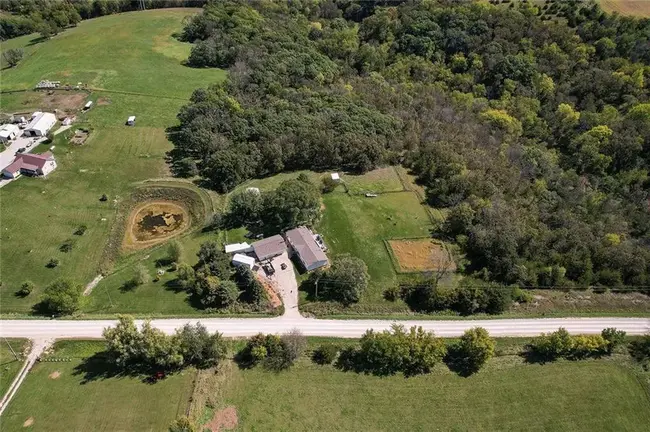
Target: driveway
285,283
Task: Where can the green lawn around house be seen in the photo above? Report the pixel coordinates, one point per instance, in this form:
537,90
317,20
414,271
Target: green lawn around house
9,364
564,396
39,214
77,395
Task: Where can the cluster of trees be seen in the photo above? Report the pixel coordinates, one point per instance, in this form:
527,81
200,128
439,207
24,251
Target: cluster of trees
343,281
560,344
271,351
61,297
535,134
294,203
470,296
214,283
412,352
49,17
148,348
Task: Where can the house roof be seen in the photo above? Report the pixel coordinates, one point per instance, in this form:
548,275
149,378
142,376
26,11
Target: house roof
31,162
237,247
8,129
269,247
243,259
305,246
335,176
42,121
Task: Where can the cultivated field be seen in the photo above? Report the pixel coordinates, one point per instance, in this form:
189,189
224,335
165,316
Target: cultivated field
81,395
9,365
419,255
639,8
566,396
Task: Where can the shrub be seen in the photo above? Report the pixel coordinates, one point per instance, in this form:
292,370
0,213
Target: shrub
521,295
81,230
614,338
62,297
103,198
294,344
640,350
325,354
141,276
182,424
26,289
175,251
328,185
67,246
392,293
473,350
272,351
53,262
584,346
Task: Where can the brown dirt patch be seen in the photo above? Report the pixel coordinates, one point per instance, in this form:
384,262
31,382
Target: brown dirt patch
271,292
153,222
225,419
28,422
421,255
79,137
62,100
103,101
54,375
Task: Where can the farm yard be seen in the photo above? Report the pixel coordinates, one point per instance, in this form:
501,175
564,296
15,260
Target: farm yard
111,160
82,394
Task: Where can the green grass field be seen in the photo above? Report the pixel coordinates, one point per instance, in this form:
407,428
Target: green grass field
81,399
140,56
139,69
38,214
9,365
358,226
566,396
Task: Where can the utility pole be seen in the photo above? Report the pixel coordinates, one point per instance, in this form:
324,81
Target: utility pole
12,350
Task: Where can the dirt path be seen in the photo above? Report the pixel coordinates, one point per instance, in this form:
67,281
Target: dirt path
38,347
92,284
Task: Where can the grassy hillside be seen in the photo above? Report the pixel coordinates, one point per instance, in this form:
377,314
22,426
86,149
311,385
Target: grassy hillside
140,56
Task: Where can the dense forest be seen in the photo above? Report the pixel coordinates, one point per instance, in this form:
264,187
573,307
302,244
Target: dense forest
533,133
50,17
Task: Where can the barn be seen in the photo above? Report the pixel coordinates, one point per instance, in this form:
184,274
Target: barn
40,124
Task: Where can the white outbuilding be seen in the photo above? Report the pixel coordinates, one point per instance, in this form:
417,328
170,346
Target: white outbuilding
88,105
9,132
336,177
243,260
238,248
130,121
40,124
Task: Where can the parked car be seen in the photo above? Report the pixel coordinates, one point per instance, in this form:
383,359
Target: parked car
283,266
21,150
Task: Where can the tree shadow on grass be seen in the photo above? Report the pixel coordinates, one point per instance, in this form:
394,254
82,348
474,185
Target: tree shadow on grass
459,364
98,367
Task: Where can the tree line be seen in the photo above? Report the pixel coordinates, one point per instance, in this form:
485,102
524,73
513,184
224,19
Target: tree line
534,134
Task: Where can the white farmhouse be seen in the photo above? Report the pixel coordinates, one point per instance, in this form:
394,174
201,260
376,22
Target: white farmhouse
40,124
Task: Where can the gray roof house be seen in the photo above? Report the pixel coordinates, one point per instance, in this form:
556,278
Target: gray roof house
269,247
302,243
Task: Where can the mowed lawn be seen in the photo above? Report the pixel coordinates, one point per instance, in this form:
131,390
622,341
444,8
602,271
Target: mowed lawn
358,226
38,214
9,365
82,399
568,396
129,52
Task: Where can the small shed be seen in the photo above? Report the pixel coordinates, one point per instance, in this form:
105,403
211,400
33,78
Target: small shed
130,121
9,132
243,260
238,248
88,105
336,177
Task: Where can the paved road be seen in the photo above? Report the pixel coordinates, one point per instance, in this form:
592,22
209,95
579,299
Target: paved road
233,327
